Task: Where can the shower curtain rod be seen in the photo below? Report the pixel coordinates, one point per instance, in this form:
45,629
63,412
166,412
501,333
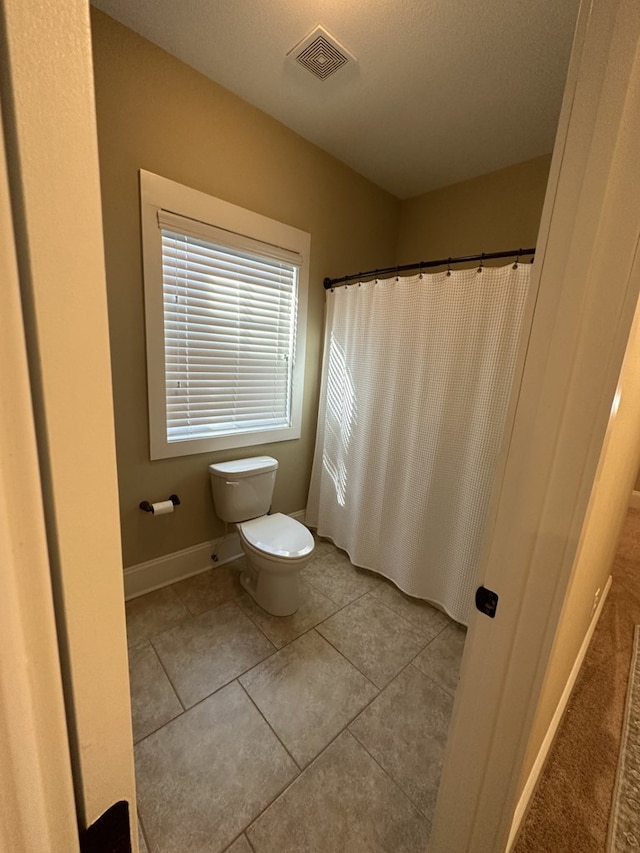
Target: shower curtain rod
485,256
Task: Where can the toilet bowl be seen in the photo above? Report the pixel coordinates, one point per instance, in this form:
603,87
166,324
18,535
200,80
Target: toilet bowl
277,547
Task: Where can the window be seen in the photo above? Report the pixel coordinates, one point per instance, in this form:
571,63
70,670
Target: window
225,305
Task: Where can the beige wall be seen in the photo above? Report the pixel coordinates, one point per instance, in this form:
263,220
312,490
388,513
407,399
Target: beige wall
491,213
156,113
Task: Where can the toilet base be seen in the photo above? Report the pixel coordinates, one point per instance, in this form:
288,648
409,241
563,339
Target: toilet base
277,593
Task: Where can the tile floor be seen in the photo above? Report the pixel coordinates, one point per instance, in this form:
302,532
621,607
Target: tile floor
321,732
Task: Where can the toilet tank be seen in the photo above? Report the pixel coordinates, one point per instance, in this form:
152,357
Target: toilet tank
243,488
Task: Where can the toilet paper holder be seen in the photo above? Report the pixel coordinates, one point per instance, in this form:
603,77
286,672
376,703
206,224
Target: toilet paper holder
146,506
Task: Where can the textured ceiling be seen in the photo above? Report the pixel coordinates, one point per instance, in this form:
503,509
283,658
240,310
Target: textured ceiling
442,90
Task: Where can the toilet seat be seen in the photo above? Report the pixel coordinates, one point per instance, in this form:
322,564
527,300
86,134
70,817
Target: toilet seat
278,536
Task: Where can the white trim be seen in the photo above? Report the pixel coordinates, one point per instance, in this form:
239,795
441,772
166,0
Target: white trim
154,574
158,194
538,764
163,571
634,503
53,160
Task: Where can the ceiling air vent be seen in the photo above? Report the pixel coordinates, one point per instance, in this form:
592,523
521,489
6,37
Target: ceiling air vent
321,54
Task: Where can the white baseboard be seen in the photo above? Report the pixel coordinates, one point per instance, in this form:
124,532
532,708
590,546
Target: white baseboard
634,503
538,764
154,574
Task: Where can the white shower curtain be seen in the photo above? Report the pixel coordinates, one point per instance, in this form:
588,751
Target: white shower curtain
416,379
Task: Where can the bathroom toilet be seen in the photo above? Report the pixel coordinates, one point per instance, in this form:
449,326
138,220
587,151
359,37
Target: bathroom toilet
276,546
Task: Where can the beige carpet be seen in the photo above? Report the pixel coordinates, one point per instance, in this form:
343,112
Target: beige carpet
624,822
570,809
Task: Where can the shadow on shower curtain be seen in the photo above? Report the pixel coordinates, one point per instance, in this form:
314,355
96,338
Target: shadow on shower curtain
416,379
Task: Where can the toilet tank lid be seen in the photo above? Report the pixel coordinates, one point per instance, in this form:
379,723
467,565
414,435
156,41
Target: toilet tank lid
244,467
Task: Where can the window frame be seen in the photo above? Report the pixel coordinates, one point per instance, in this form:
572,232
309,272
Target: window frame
157,193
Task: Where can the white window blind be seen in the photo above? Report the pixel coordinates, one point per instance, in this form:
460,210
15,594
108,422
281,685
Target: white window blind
229,330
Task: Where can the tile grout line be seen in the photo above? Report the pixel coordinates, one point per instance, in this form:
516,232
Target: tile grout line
318,589
386,580
204,698
344,729
276,649
340,607
237,838
142,829
258,663
357,714
159,729
287,786
344,657
173,687
227,683
149,637
234,600
248,614
439,687
372,592
381,691
390,777
354,664
404,669
410,624
249,696
174,587
429,678
296,779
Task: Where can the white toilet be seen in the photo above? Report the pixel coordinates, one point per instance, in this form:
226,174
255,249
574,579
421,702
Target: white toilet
277,547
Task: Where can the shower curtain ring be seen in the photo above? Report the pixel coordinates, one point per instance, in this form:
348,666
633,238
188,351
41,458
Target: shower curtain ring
449,267
420,271
480,268
397,273
517,260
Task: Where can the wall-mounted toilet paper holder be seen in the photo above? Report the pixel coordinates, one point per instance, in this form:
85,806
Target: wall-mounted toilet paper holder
149,507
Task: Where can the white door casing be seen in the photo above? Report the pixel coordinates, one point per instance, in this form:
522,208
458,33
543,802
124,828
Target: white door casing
37,809
49,120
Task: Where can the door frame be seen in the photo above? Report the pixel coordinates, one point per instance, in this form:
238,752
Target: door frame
37,809
50,139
